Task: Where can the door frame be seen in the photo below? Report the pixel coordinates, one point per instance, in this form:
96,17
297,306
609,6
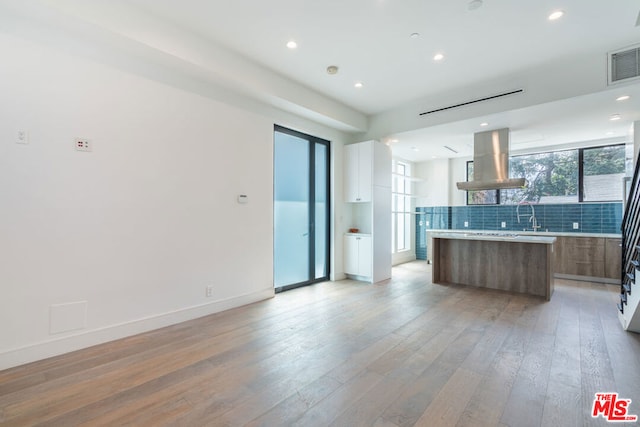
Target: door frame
313,140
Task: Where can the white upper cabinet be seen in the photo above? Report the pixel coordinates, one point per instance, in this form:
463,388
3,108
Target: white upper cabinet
358,171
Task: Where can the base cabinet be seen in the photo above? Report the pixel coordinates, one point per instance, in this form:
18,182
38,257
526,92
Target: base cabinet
358,255
595,257
613,258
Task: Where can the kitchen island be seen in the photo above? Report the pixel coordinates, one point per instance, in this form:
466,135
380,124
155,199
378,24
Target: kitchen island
503,261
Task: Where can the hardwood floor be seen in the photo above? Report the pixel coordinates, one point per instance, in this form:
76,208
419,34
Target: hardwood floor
399,353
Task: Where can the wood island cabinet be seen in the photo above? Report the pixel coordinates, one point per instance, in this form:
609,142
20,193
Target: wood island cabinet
523,264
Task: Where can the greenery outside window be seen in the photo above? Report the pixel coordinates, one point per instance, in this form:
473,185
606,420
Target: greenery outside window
568,176
480,197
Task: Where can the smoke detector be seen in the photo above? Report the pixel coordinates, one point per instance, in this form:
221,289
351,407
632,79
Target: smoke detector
332,69
474,4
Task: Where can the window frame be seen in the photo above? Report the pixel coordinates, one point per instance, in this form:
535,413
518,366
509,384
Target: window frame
581,181
406,210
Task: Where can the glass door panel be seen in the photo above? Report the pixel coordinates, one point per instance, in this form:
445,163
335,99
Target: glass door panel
321,211
291,215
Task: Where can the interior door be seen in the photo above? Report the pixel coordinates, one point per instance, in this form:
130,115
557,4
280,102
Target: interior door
301,209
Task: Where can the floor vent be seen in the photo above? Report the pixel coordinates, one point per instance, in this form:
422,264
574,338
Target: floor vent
624,65
500,95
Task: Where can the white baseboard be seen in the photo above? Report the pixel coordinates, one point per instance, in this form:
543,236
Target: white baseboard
402,257
84,339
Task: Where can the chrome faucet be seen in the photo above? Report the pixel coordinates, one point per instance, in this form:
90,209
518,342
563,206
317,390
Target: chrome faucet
534,222
532,219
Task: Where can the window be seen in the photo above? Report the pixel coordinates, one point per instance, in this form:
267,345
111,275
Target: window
603,170
401,207
480,197
568,176
551,178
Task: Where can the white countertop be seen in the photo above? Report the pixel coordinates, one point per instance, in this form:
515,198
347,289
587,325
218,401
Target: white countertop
531,233
494,236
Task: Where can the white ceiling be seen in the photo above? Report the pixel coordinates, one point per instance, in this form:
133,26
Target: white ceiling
584,120
369,40
504,41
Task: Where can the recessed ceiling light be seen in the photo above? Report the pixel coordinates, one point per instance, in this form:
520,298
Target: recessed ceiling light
483,124
415,148
291,44
623,98
474,4
615,117
414,35
556,15
610,133
393,141
358,85
438,57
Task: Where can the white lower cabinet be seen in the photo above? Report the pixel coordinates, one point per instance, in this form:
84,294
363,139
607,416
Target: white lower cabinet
358,251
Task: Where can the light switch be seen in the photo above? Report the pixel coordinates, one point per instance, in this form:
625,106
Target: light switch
503,224
243,199
576,225
466,223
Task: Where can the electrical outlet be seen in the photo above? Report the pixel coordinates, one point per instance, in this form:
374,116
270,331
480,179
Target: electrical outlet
209,291
503,224
22,137
82,144
576,225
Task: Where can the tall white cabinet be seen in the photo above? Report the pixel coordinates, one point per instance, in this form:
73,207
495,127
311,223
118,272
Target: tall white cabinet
367,190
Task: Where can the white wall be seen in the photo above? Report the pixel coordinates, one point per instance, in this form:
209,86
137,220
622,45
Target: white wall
636,140
432,187
437,182
457,173
137,228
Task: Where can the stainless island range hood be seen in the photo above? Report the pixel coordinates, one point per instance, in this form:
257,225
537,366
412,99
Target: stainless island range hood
491,162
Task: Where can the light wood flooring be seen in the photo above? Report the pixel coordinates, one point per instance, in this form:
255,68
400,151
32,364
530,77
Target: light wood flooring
399,353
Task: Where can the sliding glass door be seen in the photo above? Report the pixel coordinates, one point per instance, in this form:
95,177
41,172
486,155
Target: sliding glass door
301,209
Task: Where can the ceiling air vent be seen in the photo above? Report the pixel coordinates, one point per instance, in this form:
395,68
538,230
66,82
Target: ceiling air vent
624,65
474,101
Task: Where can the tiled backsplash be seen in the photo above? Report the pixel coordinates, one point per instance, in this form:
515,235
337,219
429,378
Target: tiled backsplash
590,218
